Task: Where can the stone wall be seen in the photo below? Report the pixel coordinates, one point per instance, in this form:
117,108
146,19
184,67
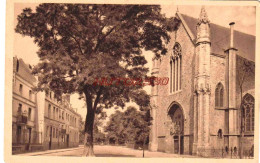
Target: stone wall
217,115
184,97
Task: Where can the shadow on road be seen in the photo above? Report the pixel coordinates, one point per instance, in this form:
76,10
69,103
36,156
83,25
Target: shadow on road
113,155
106,155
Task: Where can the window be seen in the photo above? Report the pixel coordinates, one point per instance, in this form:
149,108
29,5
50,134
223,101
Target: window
220,133
29,113
57,113
50,95
47,93
249,112
47,131
175,68
62,115
49,111
53,133
21,88
219,93
30,94
17,66
53,116
20,108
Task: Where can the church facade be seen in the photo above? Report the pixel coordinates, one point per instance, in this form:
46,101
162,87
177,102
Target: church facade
207,108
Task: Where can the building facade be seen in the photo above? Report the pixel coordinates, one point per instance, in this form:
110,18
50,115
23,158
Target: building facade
61,122
208,106
25,135
40,120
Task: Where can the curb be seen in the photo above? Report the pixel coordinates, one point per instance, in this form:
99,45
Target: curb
48,152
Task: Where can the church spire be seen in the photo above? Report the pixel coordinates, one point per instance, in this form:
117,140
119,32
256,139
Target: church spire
203,27
203,16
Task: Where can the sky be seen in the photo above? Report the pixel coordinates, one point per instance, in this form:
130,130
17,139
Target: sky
243,16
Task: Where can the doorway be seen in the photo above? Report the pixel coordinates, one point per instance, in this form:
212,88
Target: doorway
177,119
68,138
19,134
50,139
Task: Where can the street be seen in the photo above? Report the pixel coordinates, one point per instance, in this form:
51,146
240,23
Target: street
104,151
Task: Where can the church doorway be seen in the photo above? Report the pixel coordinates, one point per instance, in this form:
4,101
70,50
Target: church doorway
177,130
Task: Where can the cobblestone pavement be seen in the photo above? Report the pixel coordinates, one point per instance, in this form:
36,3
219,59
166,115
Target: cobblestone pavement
104,151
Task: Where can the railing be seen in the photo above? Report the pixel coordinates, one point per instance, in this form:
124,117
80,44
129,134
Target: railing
230,153
63,131
22,119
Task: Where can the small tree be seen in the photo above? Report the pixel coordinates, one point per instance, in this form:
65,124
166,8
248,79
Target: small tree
79,43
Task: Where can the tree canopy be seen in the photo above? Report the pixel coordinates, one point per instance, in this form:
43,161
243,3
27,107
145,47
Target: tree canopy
131,126
79,43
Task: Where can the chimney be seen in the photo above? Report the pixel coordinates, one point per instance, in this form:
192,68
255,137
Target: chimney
232,34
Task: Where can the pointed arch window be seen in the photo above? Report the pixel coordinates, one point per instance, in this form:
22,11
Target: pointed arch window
248,105
175,68
219,94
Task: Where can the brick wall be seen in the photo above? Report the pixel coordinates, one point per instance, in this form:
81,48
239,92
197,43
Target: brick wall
184,97
217,116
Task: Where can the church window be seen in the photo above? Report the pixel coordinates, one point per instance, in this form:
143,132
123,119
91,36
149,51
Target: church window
175,68
219,94
220,133
249,112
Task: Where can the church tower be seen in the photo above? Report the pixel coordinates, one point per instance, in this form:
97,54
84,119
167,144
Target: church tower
202,86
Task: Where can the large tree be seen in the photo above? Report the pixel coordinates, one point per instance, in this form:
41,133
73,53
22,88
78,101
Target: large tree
79,43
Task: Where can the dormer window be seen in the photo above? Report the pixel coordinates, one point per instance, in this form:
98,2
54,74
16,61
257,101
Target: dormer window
17,66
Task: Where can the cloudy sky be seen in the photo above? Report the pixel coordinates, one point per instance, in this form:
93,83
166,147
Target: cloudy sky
244,17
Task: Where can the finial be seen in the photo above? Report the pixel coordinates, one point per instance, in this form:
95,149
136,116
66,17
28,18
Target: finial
177,9
203,16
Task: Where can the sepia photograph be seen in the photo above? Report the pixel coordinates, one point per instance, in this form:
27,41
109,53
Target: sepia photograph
131,80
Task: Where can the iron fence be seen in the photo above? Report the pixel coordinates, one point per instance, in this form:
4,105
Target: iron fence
232,153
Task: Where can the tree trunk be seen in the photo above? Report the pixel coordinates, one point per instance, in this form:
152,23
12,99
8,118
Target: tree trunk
88,145
88,134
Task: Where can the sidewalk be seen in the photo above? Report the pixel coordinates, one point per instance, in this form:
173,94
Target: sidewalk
50,151
106,151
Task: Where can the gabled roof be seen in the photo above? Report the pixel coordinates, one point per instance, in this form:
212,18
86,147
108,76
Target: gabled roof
220,39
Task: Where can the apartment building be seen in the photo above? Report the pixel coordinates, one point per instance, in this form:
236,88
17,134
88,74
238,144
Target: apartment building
40,120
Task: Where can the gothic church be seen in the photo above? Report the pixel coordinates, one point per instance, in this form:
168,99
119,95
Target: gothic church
208,105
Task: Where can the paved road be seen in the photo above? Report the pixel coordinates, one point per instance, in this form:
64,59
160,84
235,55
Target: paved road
104,151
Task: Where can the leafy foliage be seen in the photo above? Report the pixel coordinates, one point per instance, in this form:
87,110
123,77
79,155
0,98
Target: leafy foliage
79,43
131,126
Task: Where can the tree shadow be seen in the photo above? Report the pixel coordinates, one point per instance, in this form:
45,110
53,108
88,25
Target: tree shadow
105,155
113,155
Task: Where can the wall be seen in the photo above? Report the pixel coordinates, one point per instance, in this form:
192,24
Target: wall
186,93
217,115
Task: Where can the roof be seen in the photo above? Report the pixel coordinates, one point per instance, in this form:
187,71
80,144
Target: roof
220,38
23,70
